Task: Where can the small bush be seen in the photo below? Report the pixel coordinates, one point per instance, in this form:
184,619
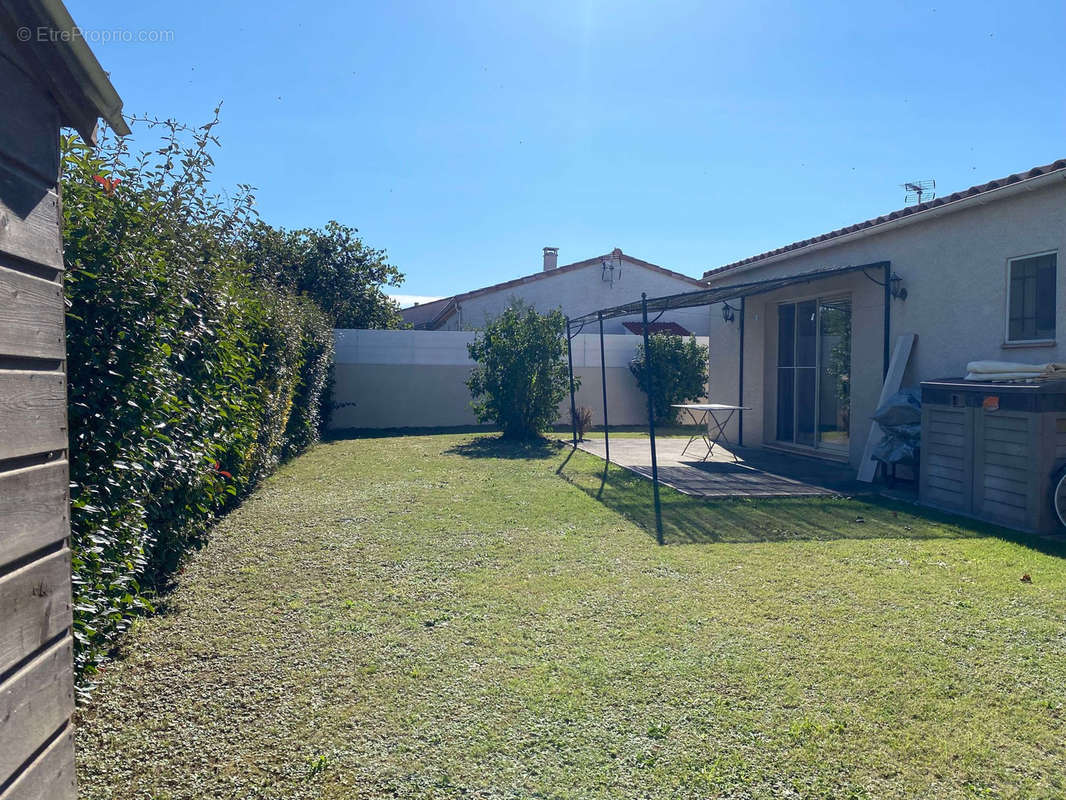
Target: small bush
679,373
583,421
521,374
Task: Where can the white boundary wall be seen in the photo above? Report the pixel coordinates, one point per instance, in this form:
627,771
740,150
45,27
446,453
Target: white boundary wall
417,379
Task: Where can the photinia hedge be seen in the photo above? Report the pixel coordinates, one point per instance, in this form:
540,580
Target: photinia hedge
190,379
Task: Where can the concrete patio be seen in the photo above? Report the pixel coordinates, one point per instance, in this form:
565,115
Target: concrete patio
757,473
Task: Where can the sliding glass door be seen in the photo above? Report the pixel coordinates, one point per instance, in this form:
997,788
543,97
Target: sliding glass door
813,373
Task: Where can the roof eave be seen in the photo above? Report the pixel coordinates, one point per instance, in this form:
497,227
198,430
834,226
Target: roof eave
999,193
73,76
524,280
444,315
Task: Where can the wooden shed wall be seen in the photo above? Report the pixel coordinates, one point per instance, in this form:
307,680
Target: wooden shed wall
36,682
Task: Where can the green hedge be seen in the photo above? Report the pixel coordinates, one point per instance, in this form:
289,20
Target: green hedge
189,379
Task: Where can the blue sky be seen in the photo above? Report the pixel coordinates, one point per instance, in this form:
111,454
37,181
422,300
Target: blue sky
463,137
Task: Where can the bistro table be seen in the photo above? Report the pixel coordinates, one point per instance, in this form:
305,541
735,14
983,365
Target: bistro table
707,416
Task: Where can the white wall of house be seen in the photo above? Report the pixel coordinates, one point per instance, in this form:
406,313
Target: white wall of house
581,291
417,379
954,267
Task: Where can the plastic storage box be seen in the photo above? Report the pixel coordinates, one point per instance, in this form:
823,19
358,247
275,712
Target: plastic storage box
991,450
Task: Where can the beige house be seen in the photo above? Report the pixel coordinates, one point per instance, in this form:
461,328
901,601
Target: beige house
578,288
974,275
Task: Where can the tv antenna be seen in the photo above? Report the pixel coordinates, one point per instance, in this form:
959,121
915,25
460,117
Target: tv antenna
919,192
612,267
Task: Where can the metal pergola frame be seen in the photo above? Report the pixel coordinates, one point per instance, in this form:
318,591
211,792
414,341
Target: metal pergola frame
695,299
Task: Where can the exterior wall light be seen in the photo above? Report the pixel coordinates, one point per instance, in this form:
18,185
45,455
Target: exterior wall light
727,312
896,286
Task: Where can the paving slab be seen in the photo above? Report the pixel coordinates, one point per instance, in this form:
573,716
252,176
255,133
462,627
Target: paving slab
755,472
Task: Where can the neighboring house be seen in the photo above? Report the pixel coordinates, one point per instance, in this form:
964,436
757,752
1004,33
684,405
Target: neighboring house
980,270
576,289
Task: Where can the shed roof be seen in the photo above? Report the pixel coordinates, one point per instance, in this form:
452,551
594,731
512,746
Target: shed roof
65,63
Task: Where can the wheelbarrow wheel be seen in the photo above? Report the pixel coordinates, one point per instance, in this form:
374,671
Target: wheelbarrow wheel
1058,495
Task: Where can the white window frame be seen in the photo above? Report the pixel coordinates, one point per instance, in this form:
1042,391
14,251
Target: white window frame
1006,320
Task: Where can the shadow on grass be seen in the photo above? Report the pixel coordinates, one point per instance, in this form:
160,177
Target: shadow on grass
694,520
499,447
343,434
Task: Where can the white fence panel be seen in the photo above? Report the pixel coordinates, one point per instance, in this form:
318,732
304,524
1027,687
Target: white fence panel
417,379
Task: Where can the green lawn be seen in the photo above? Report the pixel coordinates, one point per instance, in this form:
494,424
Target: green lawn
443,616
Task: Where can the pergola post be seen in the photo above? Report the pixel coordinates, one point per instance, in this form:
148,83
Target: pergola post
740,379
651,420
888,319
570,364
603,380
707,297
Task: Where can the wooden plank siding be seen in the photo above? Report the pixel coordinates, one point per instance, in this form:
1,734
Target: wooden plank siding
33,316
36,599
50,776
33,412
29,498
36,664
35,702
22,140
29,219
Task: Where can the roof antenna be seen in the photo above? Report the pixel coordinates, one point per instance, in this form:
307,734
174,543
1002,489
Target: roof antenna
919,192
611,267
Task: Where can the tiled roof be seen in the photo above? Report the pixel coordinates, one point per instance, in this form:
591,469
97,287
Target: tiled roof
423,312
447,304
657,327
903,212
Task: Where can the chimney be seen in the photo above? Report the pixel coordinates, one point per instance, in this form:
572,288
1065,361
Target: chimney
551,258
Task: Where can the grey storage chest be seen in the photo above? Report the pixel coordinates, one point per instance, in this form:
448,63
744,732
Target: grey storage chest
990,450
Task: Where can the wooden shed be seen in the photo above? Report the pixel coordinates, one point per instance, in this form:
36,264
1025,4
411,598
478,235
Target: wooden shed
48,78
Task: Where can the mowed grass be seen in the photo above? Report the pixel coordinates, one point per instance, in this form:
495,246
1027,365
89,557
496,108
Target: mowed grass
449,617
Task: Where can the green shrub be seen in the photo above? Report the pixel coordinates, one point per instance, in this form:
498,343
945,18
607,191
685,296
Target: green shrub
679,372
521,374
582,421
333,267
189,379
